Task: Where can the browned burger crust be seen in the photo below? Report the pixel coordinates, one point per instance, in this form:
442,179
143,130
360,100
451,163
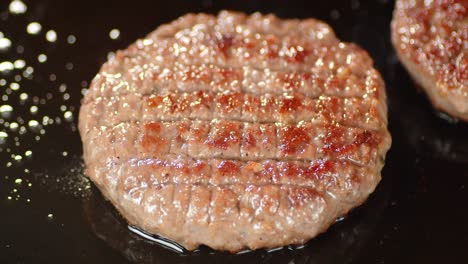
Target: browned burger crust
236,131
431,40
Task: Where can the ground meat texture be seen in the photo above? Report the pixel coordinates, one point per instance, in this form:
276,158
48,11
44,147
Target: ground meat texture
431,40
236,131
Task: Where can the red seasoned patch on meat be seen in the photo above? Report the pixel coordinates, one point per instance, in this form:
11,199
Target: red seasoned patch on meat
319,169
228,168
293,140
290,104
296,54
202,98
300,196
154,101
333,83
292,80
224,44
152,139
334,141
225,135
229,101
249,139
195,73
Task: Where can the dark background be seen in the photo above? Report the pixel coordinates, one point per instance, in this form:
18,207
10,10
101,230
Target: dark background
50,213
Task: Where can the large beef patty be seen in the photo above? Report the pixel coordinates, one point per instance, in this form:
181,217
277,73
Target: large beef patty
431,40
236,131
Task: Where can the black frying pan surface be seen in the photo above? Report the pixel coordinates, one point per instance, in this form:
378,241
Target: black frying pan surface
50,213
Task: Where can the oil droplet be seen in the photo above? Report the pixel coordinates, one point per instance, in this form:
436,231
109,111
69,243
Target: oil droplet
50,216
6,66
18,181
9,197
14,126
34,28
23,96
5,43
28,72
17,7
69,66
28,153
42,58
3,137
84,91
68,116
51,35
20,49
19,64
18,157
114,33
335,14
22,130
33,109
355,4
110,55
6,110
62,87
14,86
71,39
33,124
